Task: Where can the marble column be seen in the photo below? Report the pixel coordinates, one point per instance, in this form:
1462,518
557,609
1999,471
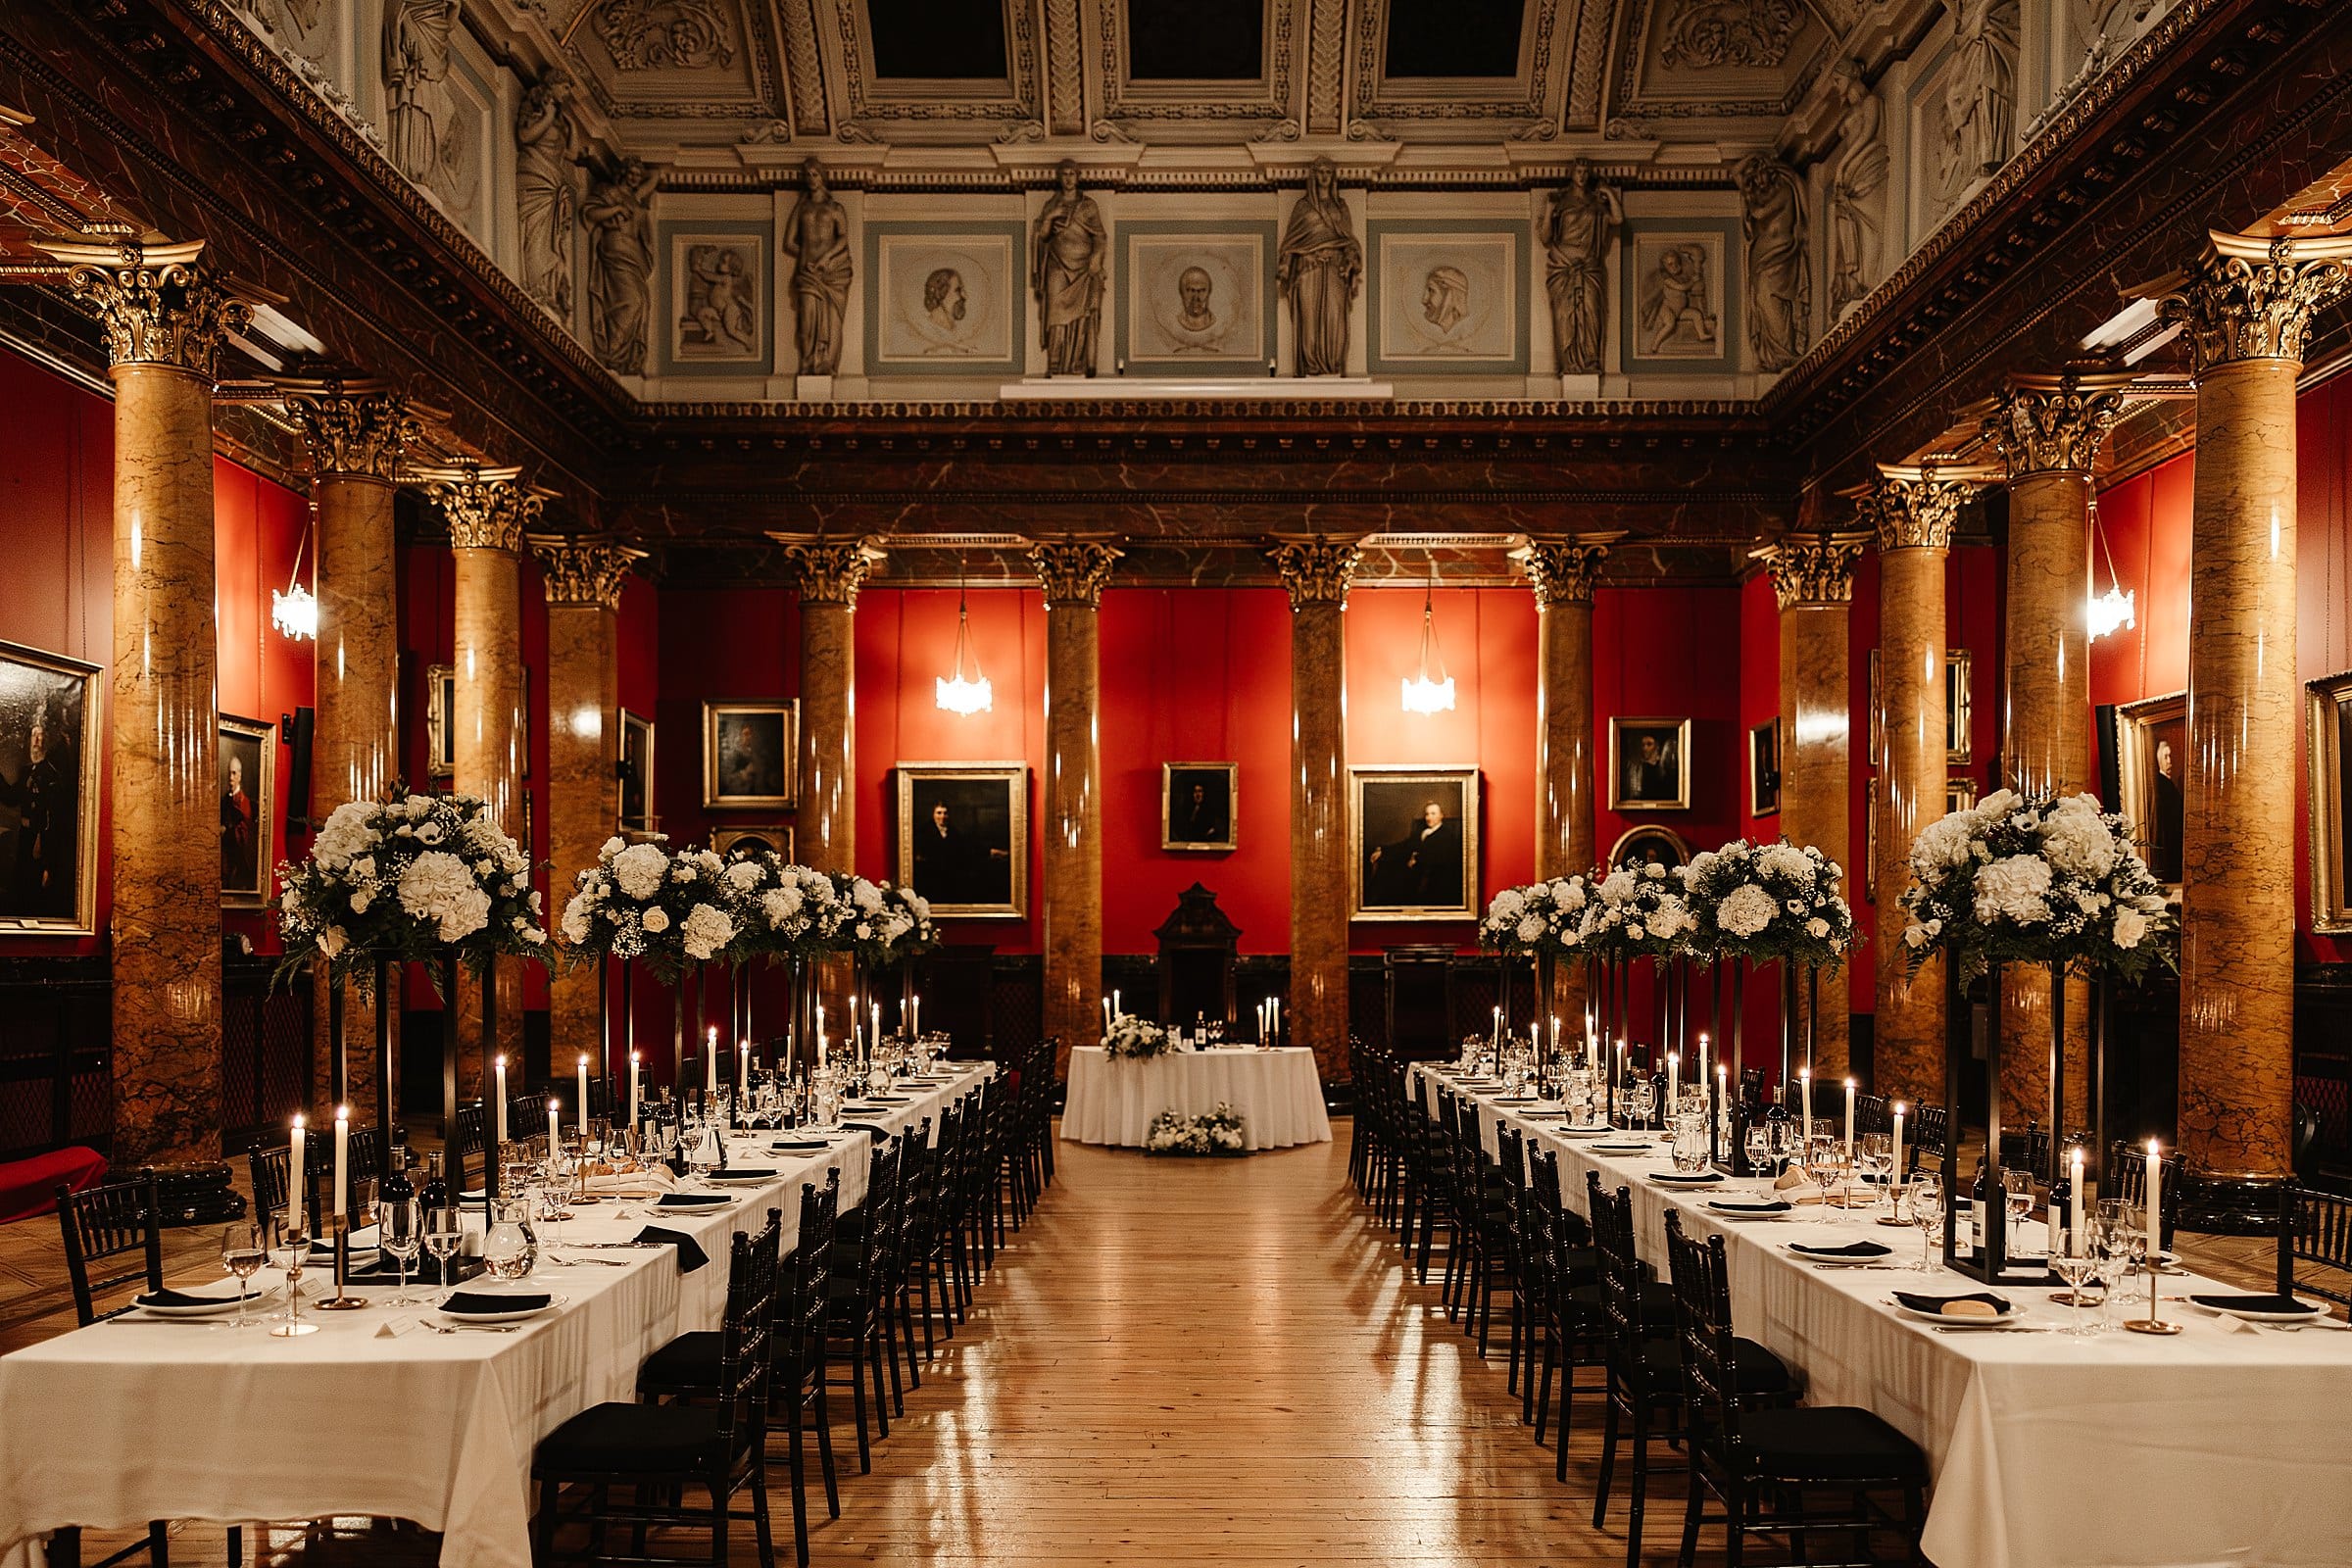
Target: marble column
489,511
1562,572
164,316
1913,510
1813,580
2247,304
358,435
1074,571
585,581
2048,429
1317,569
828,574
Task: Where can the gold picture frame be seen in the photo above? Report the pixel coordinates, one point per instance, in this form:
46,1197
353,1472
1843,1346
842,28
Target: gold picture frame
440,721
1633,846
247,857
1870,839
775,838
1764,768
633,775
1399,870
2327,748
1214,826
750,754
1959,795
975,872
1875,725
1959,709
64,692
1625,735
2149,734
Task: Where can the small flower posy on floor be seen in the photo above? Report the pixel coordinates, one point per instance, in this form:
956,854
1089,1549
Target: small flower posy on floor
1218,1132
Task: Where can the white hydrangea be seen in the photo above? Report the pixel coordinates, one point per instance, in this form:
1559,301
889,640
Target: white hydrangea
2075,839
1617,887
345,836
638,870
2016,889
437,887
1786,861
1942,845
866,896
1745,910
705,931
1530,928
575,917
1507,905
742,875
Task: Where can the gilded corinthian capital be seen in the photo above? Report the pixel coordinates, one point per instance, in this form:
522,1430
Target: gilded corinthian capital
582,571
1562,572
2054,424
2251,297
351,429
158,304
1315,568
488,508
1075,571
828,571
1915,507
1813,569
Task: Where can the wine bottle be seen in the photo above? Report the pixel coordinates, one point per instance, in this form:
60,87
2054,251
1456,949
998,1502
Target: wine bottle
435,1196
396,1186
1978,1229
2062,1192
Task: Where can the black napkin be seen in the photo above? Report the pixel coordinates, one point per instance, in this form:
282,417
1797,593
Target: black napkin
2281,1305
744,1173
1675,1178
1749,1206
1850,1250
874,1127
482,1304
691,1255
1934,1303
692,1199
804,1146
170,1298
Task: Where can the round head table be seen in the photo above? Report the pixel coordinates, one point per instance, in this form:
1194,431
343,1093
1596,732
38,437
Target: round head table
1277,1094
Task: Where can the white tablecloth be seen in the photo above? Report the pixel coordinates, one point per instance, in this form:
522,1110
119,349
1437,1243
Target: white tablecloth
2209,1448
115,1424
1277,1093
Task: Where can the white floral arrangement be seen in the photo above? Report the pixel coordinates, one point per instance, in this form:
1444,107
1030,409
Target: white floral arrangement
789,910
1131,1039
1768,901
1539,917
2036,879
410,878
885,922
645,901
1219,1132
1638,913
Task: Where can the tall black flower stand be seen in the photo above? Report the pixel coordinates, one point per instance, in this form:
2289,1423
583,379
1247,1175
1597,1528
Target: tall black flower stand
1990,1263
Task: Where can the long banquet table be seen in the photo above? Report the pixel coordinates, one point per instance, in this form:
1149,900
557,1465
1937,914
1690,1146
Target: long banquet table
1277,1093
135,1419
2210,1446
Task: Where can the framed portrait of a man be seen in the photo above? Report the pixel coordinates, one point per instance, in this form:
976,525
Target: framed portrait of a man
2328,744
1649,764
246,775
48,793
1414,838
749,754
964,837
1199,803
725,841
1764,768
441,720
634,791
2151,748
1649,845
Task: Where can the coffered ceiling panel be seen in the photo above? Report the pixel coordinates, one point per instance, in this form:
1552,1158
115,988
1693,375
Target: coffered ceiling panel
681,59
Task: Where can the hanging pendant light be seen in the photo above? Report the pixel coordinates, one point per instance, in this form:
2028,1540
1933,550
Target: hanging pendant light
1424,694
2113,610
295,612
958,694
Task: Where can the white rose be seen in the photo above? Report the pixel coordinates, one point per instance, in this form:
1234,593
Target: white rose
656,920
2130,927
360,901
612,847
742,875
1530,928
1817,928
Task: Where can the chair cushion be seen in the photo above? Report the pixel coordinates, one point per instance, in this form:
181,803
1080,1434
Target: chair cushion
1827,1442
615,1439
1761,1373
689,1361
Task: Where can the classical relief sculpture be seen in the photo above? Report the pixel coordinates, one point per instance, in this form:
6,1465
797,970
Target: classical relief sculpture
1069,252
816,236
1857,186
546,204
1320,266
1780,277
664,34
416,62
1578,227
1709,34
1980,104
620,289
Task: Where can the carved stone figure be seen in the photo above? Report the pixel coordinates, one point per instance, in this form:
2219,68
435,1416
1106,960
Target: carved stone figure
1678,307
546,202
1068,251
1780,277
721,319
664,34
416,62
1578,227
1980,104
1320,266
620,289
1857,186
816,236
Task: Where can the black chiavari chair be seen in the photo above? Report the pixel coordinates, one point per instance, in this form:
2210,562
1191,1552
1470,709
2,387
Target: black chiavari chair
797,1382
2314,1228
857,1312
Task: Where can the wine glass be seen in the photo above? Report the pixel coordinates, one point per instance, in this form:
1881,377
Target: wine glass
1825,1160
1927,1212
2075,1267
2016,1185
1641,1101
399,1231
244,1250
441,1237
1877,1154
293,1251
1759,1151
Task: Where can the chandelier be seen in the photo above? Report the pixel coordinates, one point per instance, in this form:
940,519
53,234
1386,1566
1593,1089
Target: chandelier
2111,611
295,612
960,694
1424,694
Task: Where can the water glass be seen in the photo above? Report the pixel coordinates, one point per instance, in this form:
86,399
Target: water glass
441,1237
1690,1148
401,1229
244,1250
1927,1212
1759,1151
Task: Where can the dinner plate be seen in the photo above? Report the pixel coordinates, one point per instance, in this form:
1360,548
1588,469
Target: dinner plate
2257,1308
1675,1178
1620,1149
1943,1322
1732,1209
211,1306
554,1302
748,1178
1839,1257
1587,1132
